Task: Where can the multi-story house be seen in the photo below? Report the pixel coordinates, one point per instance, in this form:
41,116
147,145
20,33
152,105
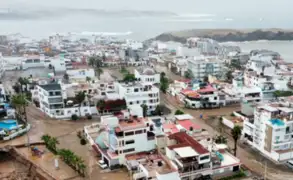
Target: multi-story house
125,134
271,130
147,75
201,68
53,101
136,93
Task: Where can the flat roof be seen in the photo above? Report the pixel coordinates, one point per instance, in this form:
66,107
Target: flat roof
268,108
51,87
183,117
185,152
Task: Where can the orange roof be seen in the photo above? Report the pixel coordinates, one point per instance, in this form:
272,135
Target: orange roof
171,127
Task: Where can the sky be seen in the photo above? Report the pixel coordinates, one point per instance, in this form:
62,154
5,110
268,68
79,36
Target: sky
257,7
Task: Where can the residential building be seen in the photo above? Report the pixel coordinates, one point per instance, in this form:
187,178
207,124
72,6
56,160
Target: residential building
53,101
81,74
125,134
202,67
3,97
147,75
137,93
33,61
270,131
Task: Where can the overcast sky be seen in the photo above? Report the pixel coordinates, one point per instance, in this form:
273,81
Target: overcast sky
257,7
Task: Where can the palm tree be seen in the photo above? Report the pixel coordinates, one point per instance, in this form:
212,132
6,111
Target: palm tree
79,98
23,82
236,132
19,102
46,138
92,61
99,71
144,109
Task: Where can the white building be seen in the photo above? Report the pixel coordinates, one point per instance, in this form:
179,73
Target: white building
136,93
80,74
202,67
53,102
147,75
126,134
270,131
33,62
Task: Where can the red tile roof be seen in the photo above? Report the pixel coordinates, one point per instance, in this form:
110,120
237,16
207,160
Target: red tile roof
208,88
171,127
184,140
187,124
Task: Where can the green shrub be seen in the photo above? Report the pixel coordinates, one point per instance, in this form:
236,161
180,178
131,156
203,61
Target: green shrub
82,141
240,174
74,117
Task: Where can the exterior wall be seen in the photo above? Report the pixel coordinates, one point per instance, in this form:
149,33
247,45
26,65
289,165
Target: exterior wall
81,73
2,65
201,68
140,97
170,154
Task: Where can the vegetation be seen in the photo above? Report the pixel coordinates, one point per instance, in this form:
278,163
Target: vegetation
79,98
236,133
229,76
164,82
88,79
66,155
158,111
188,74
219,139
206,79
129,77
283,93
72,160
124,70
83,141
19,102
144,110
238,175
74,117
111,105
179,112
96,62
66,77
51,143
235,65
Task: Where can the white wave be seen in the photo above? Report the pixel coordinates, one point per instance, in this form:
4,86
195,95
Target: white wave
88,33
195,15
190,20
229,19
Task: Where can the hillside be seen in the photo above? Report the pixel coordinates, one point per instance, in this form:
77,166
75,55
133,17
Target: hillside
223,35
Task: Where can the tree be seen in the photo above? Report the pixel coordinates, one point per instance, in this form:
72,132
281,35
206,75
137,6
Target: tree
88,79
283,93
229,76
158,111
79,98
23,82
129,77
206,79
99,71
50,142
19,102
236,133
220,139
66,77
101,104
188,74
144,110
124,70
179,112
162,76
97,63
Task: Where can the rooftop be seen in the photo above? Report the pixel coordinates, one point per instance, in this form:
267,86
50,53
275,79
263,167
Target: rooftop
185,152
146,71
131,123
187,124
184,140
183,117
51,87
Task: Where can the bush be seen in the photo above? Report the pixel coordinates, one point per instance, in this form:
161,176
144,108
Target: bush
240,174
82,141
89,117
74,117
179,112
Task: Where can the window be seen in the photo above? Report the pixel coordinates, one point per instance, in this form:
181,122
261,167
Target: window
144,101
204,158
129,142
215,98
128,150
69,112
139,132
129,133
130,103
137,102
136,90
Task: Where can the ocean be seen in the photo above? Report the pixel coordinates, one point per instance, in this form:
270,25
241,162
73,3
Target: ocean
39,21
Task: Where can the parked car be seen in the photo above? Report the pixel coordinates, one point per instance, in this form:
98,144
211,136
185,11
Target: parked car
290,164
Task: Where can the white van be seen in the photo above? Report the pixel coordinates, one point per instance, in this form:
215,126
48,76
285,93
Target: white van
102,164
